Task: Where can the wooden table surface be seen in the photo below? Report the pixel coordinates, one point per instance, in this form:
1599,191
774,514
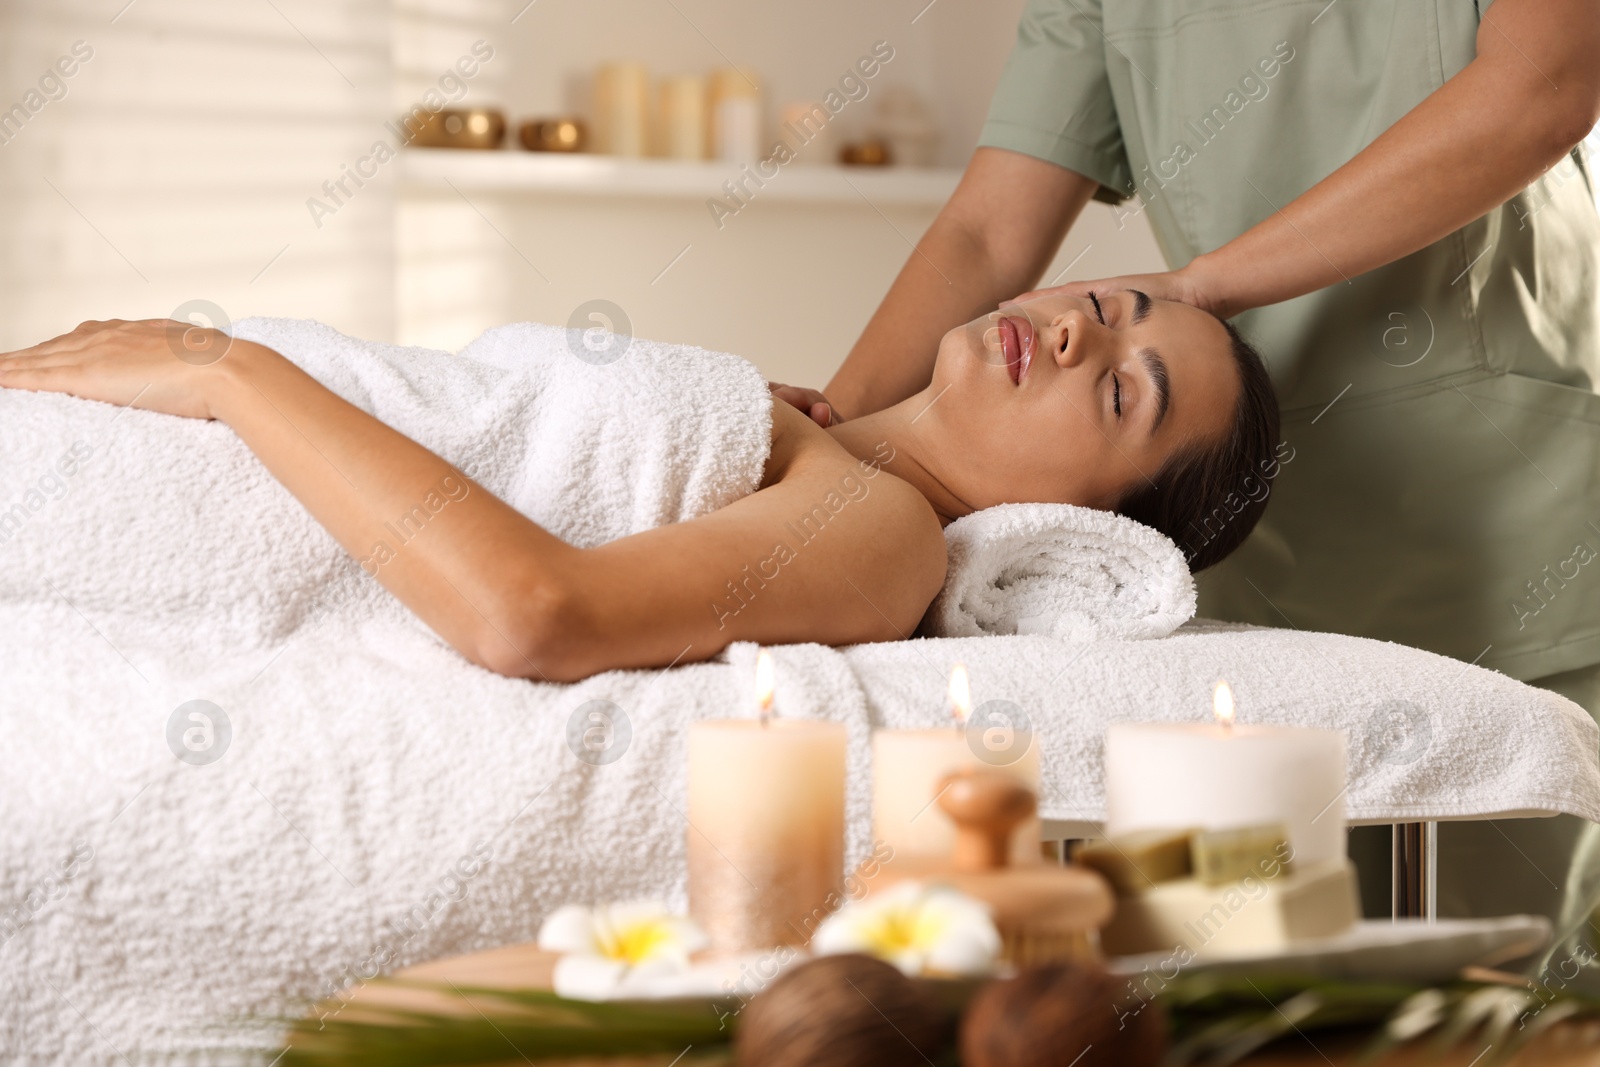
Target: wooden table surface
525,967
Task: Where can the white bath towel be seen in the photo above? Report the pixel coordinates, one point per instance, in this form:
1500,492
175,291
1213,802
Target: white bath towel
1062,571
164,526
383,802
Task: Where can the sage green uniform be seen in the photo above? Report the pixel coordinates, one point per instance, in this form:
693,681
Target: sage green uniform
1442,429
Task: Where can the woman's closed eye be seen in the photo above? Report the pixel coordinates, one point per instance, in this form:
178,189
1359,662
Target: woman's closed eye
1116,383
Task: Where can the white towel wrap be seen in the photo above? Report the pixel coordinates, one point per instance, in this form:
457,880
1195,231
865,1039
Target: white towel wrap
1061,571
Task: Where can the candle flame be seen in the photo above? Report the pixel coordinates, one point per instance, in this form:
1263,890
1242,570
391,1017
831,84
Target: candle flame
764,684
1222,704
960,694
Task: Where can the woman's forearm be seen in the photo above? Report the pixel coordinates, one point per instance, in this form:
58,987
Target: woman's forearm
466,556
991,241
1512,113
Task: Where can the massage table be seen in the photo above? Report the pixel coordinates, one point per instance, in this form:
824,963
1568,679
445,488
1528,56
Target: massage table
381,802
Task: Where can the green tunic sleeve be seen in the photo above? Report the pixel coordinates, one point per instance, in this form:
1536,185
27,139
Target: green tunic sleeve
1054,99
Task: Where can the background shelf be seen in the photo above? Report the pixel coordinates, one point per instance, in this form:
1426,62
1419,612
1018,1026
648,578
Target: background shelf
510,171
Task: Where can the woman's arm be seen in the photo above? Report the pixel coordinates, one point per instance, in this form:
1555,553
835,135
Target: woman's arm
503,591
1529,96
995,236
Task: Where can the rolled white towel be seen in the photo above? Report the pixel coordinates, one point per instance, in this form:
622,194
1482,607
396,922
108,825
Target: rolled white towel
1062,571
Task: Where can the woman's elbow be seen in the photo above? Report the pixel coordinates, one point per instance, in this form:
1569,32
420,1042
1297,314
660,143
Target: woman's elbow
538,638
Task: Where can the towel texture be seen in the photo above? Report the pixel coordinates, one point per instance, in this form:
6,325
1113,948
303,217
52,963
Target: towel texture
1061,571
383,802
162,526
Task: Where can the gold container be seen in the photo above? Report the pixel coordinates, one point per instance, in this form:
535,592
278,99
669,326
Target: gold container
873,153
477,127
553,135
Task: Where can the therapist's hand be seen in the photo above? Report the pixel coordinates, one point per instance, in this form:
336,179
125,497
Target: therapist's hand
813,403
1182,285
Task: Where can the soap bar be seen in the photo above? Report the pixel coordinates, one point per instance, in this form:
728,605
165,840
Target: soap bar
1137,862
1247,917
1223,856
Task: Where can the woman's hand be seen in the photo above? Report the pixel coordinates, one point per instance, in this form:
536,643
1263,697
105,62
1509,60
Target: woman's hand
1185,285
154,364
813,403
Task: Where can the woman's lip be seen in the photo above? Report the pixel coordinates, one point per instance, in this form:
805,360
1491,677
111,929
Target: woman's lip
1011,348
1017,341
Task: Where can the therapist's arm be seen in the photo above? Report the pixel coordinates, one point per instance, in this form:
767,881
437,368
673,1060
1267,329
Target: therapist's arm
1530,95
994,238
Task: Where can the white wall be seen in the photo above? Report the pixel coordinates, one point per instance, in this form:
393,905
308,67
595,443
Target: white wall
182,160
788,285
178,163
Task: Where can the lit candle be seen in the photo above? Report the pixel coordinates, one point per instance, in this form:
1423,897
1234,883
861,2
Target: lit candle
807,128
766,686
1221,775
766,824
960,697
907,766
1222,705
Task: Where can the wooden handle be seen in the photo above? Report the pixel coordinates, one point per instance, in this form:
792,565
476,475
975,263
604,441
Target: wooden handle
986,806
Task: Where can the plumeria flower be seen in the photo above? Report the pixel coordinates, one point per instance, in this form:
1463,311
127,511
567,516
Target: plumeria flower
611,947
925,930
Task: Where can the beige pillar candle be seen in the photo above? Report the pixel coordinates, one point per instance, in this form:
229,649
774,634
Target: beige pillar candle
766,826
621,108
907,766
681,119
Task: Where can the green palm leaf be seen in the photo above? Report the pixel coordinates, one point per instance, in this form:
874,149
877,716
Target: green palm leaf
1216,1019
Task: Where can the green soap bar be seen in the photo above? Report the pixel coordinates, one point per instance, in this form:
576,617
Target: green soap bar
1223,856
1135,862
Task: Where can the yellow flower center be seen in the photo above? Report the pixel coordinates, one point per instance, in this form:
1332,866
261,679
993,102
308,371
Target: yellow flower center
900,930
639,942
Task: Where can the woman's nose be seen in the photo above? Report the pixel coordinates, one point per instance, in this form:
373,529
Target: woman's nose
1075,337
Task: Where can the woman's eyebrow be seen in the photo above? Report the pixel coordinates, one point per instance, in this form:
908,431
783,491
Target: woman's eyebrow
1141,306
1161,380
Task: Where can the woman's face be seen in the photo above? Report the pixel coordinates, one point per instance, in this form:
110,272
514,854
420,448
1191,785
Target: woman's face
1042,401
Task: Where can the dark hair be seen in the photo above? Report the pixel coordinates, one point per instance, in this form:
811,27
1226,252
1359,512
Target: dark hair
1208,497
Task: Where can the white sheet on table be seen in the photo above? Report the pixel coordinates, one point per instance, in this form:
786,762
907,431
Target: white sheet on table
333,832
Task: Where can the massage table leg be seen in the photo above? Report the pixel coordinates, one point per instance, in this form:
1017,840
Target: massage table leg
1415,892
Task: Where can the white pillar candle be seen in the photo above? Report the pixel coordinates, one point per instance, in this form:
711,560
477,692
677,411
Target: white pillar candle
736,115
908,764
766,828
1219,776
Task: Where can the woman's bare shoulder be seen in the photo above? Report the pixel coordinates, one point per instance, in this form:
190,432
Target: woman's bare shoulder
811,471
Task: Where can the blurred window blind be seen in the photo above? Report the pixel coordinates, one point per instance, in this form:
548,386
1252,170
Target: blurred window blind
177,160
455,272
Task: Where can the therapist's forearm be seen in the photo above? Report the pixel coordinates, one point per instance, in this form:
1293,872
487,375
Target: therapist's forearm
1486,134
944,283
993,239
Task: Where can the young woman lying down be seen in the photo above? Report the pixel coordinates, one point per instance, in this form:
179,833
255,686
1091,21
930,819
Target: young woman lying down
1152,409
